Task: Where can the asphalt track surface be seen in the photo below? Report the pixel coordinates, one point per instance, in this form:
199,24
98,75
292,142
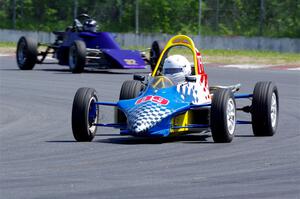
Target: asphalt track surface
40,159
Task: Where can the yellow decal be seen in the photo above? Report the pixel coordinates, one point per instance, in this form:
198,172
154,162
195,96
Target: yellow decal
182,120
130,61
183,41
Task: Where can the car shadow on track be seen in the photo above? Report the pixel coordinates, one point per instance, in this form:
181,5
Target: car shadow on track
59,71
96,71
60,141
128,140
188,139
244,136
73,140
91,71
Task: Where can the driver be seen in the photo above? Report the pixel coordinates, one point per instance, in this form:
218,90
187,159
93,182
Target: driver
177,67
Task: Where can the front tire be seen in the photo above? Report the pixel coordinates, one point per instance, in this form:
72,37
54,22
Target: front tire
265,109
77,53
130,89
85,114
223,116
26,53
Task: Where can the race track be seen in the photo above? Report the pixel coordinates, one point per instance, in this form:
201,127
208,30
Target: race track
40,160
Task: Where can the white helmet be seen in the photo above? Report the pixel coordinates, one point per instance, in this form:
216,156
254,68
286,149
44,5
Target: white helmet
177,67
90,25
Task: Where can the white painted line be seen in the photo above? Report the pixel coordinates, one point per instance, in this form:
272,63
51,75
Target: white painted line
5,55
298,68
246,66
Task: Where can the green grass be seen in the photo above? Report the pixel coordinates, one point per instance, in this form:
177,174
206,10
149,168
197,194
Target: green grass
251,56
8,47
7,44
292,57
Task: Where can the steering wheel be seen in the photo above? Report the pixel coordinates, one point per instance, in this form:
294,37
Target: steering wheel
161,82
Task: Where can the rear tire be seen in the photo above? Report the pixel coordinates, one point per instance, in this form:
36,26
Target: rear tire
156,49
77,53
84,114
130,89
223,116
265,109
26,53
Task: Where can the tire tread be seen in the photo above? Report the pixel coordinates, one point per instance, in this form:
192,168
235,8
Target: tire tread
31,53
218,123
260,112
79,114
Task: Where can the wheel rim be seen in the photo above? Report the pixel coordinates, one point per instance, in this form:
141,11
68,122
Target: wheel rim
21,53
273,110
72,57
92,115
230,116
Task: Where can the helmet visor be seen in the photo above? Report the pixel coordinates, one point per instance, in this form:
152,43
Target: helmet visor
172,70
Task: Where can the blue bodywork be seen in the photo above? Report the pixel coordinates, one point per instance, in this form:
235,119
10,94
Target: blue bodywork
114,56
97,40
170,101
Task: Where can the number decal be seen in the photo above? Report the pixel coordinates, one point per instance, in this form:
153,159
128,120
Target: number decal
130,61
155,99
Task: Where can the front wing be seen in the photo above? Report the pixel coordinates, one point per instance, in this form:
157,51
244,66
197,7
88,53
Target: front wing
167,125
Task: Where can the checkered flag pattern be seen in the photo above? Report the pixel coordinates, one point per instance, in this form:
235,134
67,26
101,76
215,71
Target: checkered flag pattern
144,116
190,90
194,91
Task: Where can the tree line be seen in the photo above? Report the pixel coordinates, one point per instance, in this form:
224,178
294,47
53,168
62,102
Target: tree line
272,18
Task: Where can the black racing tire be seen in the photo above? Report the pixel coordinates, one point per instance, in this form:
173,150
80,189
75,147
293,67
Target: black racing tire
83,116
265,109
130,89
27,52
156,49
77,56
223,116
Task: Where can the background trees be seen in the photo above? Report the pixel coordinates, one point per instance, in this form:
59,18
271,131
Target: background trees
275,18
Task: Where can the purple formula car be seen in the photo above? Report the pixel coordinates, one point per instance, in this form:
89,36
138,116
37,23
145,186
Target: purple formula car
82,46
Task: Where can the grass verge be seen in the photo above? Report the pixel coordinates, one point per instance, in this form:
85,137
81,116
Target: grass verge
246,57
250,57
7,47
216,56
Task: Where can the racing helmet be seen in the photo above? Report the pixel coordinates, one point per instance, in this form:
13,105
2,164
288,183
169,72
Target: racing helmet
90,25
177,67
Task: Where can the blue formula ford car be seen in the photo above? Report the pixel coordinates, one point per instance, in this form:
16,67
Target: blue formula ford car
82,46
159,106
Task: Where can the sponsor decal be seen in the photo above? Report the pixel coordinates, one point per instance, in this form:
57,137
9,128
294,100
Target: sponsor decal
155,99
181,41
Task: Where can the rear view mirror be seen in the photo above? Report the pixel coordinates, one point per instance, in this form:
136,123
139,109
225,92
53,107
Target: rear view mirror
190,79
139,77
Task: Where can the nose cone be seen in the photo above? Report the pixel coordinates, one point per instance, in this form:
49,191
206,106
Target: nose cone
142,117
149,109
